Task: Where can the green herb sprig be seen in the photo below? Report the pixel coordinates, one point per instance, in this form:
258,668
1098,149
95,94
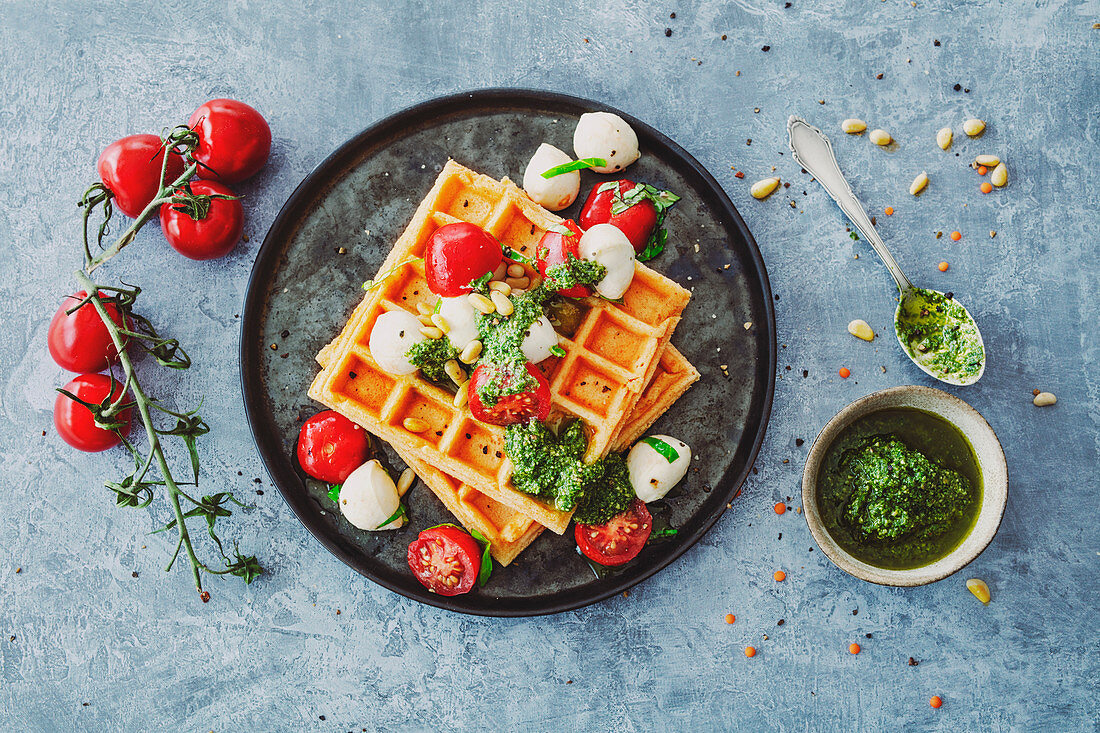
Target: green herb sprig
574,165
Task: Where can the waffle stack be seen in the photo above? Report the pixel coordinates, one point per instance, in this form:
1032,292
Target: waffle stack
618,373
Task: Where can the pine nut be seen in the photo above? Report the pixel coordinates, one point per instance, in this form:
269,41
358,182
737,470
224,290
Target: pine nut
462,396
980,590
1044,399
880,137
481,303
853,126
470,352
516,271
415,425
426,320
944,137
454,371
431,332
764,188
441,322
501,271
861,330
999,176
503,305
535,280
974,127
405,482
989,161
518,283
919,183
423,309
501,286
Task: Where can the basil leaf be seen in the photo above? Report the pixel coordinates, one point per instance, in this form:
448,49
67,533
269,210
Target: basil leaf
480,283
517,256
659,534
382,277
608,186
655,246
557,350
486,558
575,165
401,512
661,447
562,230
334,493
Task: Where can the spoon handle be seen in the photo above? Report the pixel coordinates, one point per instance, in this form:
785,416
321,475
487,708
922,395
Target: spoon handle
813,151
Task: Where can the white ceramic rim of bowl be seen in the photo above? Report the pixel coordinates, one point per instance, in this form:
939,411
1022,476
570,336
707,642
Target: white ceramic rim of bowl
991,460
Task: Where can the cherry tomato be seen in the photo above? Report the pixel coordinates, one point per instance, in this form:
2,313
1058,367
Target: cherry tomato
554,248
445,560
234,140
637,223
513,408
330,447
75,422
130,167
620,540
456,254
79,341
207,238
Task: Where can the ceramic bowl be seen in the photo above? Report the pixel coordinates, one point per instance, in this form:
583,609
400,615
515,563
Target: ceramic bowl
991,460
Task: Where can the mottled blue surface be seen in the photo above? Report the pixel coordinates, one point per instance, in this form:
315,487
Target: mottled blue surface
86,645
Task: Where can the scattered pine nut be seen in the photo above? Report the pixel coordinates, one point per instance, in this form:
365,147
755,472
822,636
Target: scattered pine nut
471,352
405,482
501,271
462,396
1044,399
989,161
992,233
415,425
431,332
516,271
501,286
880,137
999,177
481,303
980,590
441,323
503,305
944,137
423,309
764,188
861,330
943,266
919,183
974,127
517,283
455,372
853,126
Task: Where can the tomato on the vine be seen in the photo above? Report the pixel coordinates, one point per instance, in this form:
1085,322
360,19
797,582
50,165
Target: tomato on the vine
75,423
637,222
207,227
555,248
456,254
130,168
619,540
445,559
509,409
234,140
330,447
78,341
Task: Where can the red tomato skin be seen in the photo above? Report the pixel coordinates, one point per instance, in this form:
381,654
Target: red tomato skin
456,254
637,223
554,249
130,167
79,342
457,544
208,238
637,512
76,424
234,140
511,409
330,447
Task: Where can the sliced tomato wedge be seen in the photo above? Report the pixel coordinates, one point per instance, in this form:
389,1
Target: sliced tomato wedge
620,540
555,248
456,254
445,559
513,408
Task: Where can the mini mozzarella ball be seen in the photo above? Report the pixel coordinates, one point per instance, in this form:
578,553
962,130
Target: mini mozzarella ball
651,474
607,245
606,135
394,333
553,193
461,319
369,497
538,340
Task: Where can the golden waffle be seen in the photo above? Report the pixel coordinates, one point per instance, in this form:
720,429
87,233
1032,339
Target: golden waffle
609,358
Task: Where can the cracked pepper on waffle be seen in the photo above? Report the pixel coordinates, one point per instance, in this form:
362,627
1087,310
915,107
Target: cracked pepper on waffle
609,358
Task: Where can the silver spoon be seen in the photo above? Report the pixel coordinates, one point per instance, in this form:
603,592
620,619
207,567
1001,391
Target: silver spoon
934,330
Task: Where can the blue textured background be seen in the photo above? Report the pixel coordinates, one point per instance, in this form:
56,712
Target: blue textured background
86,645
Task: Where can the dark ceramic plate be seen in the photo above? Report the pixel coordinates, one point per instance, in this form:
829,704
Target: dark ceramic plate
361,197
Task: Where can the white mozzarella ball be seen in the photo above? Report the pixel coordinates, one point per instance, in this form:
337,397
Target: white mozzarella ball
394,333
538,340
461,318
652,474
369,497
608,136
553,193
607,245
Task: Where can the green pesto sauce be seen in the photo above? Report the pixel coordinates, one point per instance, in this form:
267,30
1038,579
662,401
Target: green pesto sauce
940,335
899,489
574,272
551,467
430,355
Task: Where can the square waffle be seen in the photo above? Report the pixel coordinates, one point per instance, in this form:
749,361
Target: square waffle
610,357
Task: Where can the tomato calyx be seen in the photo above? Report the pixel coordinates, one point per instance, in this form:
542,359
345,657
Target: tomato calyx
111,412
196,205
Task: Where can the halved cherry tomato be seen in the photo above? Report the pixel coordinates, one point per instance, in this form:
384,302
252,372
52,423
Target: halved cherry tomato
211,236
555,248
234,140
330,447
456,254
79,341
130,167
513,408
445,560
637,223
620,540
75,422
